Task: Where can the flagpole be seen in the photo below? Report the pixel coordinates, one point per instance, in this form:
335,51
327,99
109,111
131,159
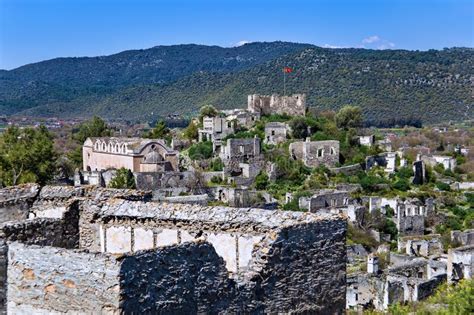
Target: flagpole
284,82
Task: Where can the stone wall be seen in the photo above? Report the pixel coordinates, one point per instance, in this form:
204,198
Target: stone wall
283,260
328,199
16,201
298,271
316,153
463,238
399,289
201,284
460,263
410,225
294,105
177,259
188,199
44,280
52,201
425,245
45,231
347,170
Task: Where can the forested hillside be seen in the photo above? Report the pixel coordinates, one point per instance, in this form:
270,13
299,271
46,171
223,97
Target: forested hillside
432,86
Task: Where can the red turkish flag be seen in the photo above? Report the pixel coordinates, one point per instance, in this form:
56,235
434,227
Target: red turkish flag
287,70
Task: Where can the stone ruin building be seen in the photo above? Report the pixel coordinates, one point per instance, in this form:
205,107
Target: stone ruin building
410,217
420,246
215,129
97,250
242,159
242,117
294,105
275,133
463,238
148,159
448,162
386,160
460,263
407,279
325,199
316,153
367,140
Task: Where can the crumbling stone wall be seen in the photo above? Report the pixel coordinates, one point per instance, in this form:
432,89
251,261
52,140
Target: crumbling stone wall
268,253
463,238
288,274
410,225
53,201
460,263
88,227
399,289
45,231
328,199
201,287
16,201
44,280
281,261
316,153
293,105
421,246
297,266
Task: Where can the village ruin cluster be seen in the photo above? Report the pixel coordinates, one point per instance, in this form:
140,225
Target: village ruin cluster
263,210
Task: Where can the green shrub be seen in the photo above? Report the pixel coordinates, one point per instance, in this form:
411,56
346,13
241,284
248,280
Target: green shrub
439,168
216,179
299,128
201,151
261,181
217,165
404,172
402,185
358,236
123,179
443,186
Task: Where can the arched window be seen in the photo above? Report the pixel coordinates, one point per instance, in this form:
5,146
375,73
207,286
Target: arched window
124,148
117,148
104,146
333,151
110,147
97,145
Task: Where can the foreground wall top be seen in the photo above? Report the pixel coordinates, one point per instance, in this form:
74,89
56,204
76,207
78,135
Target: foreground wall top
258,220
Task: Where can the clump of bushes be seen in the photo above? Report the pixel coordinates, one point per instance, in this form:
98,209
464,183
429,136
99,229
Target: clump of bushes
201,151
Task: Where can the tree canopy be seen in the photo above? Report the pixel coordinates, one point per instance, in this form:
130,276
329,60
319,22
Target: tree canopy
349,117
95,127
123,179
159,132
207,110
26,155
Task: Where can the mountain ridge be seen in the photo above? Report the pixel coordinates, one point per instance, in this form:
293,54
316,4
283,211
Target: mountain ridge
135,83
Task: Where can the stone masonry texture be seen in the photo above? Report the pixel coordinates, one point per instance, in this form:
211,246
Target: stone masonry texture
296,261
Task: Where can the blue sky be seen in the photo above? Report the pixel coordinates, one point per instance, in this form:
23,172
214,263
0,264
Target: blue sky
35,30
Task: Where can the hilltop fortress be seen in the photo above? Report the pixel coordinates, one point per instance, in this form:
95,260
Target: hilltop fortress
294,105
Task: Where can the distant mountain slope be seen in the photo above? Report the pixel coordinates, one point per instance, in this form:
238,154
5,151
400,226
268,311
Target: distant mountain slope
61,80
433,86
